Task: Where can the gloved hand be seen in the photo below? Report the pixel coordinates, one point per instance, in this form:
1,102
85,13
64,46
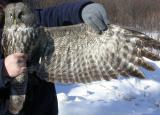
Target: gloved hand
95,15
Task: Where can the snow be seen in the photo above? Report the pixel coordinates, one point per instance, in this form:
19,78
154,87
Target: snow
116,97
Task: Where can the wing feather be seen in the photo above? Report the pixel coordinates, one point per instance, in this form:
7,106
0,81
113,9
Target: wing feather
80,55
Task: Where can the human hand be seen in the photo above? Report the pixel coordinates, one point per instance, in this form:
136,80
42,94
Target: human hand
15,64
95,15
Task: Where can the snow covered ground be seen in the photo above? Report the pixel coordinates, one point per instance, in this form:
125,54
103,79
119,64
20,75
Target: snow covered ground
117,97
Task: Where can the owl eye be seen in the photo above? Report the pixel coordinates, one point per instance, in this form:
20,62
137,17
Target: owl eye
11,15
20,15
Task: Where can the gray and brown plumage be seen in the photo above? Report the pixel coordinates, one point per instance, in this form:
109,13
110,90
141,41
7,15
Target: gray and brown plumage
72,54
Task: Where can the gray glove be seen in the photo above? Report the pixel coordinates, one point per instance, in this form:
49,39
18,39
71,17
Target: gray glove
95,15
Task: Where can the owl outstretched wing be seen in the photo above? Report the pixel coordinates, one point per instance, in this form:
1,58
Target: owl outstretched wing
74,54
81,56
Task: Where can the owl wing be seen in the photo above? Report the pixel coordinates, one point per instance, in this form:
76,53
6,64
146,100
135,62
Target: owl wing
82,56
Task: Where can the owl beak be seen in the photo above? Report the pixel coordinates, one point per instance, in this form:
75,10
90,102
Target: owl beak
15,22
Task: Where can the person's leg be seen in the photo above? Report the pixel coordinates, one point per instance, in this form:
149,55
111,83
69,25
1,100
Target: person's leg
41,98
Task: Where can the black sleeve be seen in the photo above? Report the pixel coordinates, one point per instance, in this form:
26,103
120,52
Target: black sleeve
4,80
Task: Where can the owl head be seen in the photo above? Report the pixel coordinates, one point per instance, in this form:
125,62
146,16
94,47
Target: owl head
19,30
19,14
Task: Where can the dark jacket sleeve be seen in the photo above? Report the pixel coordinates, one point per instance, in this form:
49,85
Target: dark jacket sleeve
3,79
62,15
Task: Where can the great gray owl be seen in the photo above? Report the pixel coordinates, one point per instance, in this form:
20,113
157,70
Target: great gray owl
72,54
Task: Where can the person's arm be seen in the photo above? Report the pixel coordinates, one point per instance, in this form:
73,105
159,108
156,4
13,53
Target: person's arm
4,80
93,14
62,15
10,67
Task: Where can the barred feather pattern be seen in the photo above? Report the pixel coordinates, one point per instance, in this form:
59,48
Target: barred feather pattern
82,56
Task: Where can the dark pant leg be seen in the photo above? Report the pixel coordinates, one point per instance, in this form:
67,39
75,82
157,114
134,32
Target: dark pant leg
41,98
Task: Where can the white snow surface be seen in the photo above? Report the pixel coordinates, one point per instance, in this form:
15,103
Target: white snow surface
125,96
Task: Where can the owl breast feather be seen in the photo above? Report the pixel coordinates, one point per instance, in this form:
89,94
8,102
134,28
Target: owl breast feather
19,39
